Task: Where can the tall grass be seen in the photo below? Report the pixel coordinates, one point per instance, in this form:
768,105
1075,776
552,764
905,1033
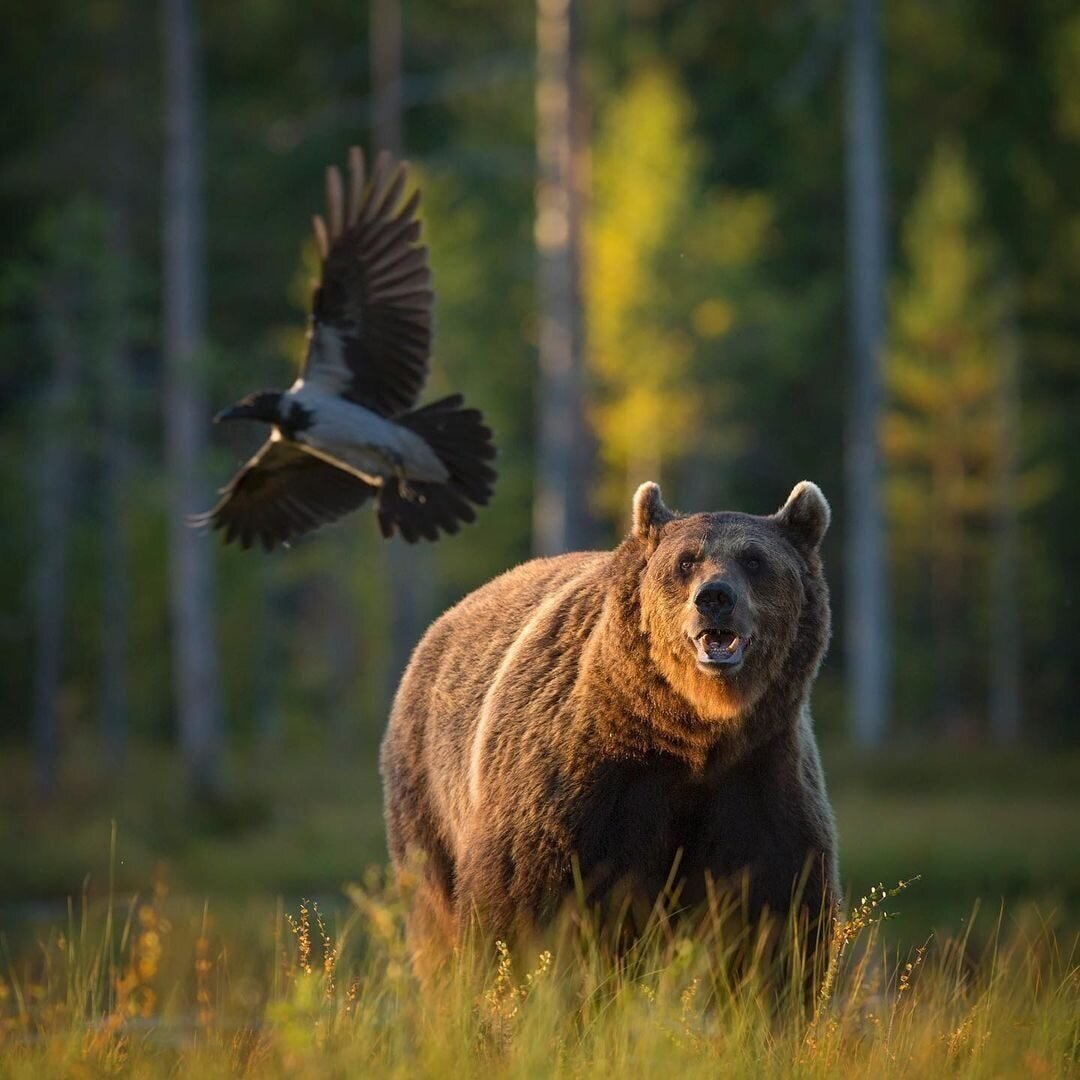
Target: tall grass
158,987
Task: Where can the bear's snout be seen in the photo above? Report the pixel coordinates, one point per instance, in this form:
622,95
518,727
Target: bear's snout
716,597
719,624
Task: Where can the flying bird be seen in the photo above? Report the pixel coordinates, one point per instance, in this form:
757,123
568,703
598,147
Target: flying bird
347,430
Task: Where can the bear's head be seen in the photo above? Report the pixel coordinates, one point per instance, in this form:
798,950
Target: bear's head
733,604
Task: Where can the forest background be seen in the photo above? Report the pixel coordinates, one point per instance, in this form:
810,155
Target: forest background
773,241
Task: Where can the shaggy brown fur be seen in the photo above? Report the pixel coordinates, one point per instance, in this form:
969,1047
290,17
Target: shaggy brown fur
560,714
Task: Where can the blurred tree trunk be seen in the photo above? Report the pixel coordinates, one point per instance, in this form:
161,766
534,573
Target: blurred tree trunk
115,382
1005,666
560,515
388,123
410,567
115,470
56,467
195,666
867,629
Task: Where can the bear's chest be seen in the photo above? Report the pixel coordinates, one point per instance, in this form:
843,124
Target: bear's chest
654,822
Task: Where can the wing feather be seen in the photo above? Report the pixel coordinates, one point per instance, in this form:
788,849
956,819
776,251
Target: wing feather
370,339
282,493
335,201
356,183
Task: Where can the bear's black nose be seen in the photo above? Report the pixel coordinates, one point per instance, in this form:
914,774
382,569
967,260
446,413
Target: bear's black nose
715,596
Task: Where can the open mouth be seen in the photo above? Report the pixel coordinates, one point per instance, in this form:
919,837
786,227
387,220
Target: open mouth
720,648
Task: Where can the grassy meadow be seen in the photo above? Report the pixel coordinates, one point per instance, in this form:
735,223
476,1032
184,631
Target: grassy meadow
262,937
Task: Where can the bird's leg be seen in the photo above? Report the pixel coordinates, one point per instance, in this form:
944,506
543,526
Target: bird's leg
397,465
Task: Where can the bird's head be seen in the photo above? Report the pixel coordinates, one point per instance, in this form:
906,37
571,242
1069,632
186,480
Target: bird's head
263,405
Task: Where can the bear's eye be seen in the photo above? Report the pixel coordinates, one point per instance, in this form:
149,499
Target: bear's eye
686,564
752,564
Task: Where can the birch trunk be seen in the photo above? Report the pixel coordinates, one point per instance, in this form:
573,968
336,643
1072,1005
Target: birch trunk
410,567
867,636
115,382
55,481
194,653
560,519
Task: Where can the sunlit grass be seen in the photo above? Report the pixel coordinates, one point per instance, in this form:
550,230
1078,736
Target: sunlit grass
160,983
156,986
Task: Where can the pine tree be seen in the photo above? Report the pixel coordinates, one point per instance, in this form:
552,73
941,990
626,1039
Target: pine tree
947,442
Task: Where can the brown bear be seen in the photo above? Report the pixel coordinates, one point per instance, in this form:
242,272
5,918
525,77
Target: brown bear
600,718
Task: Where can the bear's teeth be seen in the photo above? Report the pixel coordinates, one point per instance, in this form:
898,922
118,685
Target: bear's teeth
720,641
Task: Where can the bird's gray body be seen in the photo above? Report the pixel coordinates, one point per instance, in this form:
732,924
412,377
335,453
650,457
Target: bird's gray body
360,441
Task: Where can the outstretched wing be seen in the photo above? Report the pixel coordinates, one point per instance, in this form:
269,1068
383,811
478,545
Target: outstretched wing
370,337
282,493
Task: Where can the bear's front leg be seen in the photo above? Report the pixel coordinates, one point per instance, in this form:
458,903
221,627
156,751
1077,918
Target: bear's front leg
509,879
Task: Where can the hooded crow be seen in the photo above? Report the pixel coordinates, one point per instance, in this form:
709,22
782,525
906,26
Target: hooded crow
346,430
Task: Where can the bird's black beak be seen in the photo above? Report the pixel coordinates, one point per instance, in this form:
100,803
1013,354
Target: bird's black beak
262,406
233,412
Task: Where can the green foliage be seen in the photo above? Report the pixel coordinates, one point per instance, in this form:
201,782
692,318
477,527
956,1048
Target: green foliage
643,171
714,289
664,260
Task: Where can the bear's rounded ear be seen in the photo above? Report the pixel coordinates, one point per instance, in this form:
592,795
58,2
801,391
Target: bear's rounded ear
805,516
650,513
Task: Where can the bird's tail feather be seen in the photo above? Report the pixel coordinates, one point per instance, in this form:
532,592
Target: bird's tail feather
463,443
